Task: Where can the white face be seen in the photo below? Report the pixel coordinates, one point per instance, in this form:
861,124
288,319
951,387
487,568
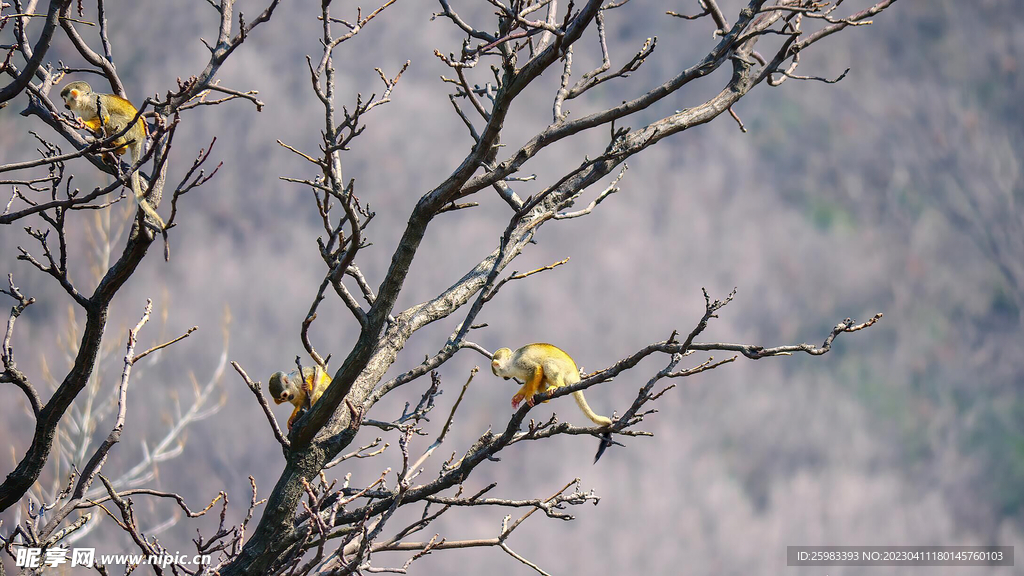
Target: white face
286,394
499,361
72,100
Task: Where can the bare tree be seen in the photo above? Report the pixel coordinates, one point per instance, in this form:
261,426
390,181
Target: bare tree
310,524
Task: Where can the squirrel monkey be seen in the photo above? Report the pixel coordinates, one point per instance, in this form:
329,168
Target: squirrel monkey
117,113
543,367
289,388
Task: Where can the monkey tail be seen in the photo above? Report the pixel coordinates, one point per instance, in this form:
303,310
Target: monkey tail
606,437
141,199
594,417
136,152
606,442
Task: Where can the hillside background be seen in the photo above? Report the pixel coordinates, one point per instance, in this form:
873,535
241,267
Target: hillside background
899,189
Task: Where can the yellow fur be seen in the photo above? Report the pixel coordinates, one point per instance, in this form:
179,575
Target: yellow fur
541,367
289,388
117,113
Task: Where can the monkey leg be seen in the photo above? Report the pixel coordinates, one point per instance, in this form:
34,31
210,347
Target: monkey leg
547,385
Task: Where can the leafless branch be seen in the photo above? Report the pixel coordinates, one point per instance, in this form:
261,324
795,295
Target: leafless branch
312,523
11,373
164,345
254,387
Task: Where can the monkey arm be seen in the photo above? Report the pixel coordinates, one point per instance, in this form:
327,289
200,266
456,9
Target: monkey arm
322,382
308,384
120,151
531,387
97,127
519,397
294,416
93,125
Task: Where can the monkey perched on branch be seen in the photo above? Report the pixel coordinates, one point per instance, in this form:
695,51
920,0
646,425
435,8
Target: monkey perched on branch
543,367
290,388
117,113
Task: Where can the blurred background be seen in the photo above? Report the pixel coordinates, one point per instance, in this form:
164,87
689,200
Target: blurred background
897,190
